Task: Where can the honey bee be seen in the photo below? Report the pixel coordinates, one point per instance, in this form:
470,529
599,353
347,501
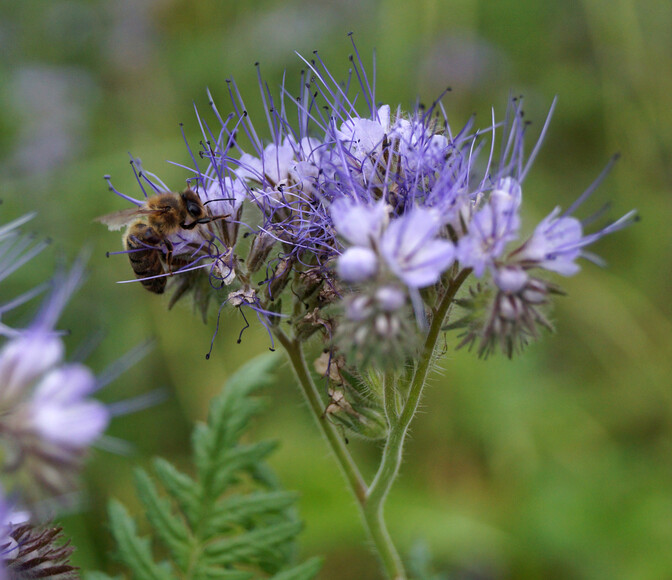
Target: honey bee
149,228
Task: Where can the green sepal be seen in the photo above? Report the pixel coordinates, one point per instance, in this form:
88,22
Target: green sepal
364,422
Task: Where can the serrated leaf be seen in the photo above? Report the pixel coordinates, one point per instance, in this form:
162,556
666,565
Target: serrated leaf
133,550
182,487
179,485
232,521
171,529
305,571
252,546
241,459
241,509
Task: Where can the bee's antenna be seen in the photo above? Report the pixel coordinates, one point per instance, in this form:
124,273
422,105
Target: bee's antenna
219,199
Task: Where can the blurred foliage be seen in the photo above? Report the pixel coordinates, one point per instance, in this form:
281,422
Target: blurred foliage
232,521
555,465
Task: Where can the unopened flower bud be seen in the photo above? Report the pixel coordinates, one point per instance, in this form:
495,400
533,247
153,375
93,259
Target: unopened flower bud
261,247
357,264
357,418
281,276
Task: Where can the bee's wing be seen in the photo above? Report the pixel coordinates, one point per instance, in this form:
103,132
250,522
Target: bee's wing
119,219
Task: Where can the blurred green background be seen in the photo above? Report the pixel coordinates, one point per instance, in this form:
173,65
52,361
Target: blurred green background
557,464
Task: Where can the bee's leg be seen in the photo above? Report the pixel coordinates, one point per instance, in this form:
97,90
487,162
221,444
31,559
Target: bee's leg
169,256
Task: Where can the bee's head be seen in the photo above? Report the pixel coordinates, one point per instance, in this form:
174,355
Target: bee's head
193,204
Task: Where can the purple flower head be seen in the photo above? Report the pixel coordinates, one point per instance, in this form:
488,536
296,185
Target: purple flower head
47,415
408,245
344,189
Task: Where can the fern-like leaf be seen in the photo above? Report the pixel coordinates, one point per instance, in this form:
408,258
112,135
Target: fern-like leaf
230,521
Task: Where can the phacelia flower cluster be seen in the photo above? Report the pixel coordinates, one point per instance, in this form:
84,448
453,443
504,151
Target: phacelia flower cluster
354,220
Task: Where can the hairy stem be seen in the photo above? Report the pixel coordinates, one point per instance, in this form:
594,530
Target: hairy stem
316,406
393,450
371,501
375,526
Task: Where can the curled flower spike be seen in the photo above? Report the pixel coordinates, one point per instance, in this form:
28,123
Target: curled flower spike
31,551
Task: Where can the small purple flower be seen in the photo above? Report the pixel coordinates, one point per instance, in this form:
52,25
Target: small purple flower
364,137
412,249
359,223
61,410
557,243
491,228
408,245
357,264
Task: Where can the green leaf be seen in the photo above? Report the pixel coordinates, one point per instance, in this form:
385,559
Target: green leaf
181,487
252,546
241,510
133,550
218,573
171,529
232,520
305,571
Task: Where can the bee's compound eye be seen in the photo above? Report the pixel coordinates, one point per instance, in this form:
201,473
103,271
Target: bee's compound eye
194,209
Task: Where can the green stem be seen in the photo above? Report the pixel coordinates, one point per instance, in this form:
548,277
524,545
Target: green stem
377,532
393,451
371,502
316,406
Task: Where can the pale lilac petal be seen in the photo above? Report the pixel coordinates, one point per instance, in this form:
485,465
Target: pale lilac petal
411,250
358,223
365,136
65,384
510,279
76,424
555,244
426,265
24,359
